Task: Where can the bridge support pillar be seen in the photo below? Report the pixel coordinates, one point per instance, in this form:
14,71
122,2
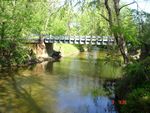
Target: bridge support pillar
49,48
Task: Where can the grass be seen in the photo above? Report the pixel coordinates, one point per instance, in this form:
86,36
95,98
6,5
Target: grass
66,49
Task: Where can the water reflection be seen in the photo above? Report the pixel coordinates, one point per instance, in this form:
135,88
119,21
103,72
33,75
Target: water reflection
74,85
76,96
49,67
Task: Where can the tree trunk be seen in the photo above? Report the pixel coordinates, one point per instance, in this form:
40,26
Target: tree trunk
115,21
122,47
120,38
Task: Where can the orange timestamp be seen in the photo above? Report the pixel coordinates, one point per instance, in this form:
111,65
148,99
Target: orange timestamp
121,102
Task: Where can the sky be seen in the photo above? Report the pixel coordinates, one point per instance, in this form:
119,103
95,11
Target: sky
143,4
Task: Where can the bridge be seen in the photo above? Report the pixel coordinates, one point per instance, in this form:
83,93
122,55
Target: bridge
92,40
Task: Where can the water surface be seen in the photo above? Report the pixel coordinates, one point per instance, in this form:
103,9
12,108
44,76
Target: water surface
77,84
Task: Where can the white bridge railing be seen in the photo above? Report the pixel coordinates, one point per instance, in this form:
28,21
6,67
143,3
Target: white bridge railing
93,40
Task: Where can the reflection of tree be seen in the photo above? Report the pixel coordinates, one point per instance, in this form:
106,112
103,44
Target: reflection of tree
3,92
49,67
26,96
39,69
16,94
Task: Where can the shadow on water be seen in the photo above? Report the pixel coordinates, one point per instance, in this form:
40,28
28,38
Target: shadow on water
22,93
14,96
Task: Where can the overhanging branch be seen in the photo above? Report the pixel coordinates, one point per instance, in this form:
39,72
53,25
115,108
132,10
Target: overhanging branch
127,5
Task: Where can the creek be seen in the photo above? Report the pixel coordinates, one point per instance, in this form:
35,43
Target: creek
82,83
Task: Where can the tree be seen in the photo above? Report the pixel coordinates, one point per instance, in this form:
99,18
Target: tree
19,19
144,36
114,20
14,21
111,12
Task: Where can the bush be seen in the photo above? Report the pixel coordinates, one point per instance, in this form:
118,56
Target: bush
12,53
146,64
138,100
135,75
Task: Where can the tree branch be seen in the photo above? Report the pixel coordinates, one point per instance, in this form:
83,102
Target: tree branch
127,5
109,12
104,17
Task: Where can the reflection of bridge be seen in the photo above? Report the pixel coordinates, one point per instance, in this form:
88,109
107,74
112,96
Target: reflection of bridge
93,40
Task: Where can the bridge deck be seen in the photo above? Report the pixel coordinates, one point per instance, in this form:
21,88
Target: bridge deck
93,40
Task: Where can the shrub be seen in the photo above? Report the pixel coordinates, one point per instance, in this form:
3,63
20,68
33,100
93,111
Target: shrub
138,101
12,53
135,75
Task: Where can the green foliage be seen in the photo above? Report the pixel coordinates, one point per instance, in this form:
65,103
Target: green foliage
135,74
20,55
146,63
14,24
92,23
138,100
58,26
127,27
12,53
134,87
110,70
144,36
21,18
